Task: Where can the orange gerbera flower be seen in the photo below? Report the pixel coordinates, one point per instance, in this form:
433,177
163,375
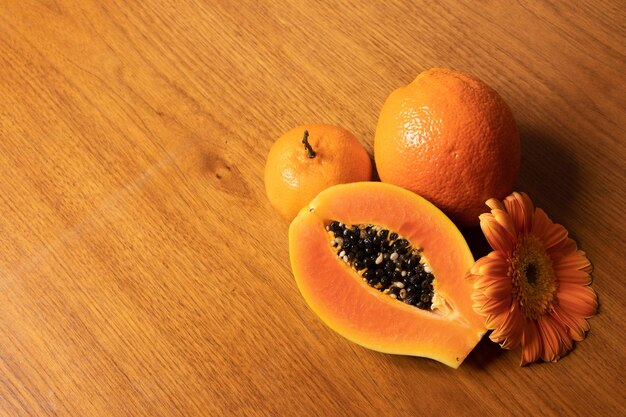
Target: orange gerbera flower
533,288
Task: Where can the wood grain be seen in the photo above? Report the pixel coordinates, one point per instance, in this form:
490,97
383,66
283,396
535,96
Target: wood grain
144,273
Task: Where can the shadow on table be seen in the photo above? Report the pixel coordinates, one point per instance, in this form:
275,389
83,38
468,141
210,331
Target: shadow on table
483,354
476,241
550,172
479,358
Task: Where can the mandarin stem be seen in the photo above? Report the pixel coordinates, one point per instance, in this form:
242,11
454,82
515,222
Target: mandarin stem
310,153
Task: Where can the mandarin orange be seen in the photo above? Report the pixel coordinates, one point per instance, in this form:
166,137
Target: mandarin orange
450,138
309,159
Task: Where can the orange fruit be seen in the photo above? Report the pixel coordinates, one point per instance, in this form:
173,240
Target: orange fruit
450,138
309,159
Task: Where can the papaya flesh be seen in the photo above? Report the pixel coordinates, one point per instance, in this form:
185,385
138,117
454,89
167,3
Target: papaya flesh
342,299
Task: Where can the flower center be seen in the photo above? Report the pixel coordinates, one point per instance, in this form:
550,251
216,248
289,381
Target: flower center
534,284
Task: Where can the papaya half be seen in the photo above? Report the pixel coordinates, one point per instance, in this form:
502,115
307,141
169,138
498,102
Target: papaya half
414,300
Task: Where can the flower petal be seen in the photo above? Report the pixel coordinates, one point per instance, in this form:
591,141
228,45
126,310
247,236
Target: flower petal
481,282
494,203
573,261
555,339
531,343
520,208
504,219
551,234
500,287
562,249
494,305
496,235
496,269
478,301
509,332
550,339
566,341
577,326
494,262
573,276
555,235
541,223
494,321
576,300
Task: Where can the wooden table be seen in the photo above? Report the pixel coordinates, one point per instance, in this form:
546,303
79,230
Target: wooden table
142,269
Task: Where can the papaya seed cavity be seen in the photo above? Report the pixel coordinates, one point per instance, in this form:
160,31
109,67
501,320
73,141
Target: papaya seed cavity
385,260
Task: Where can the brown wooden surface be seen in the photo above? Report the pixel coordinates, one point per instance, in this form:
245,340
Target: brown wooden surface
144,273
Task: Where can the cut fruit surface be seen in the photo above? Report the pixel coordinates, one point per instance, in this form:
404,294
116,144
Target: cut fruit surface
338,293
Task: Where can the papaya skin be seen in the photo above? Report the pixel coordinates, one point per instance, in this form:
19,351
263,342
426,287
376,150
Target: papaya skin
358,312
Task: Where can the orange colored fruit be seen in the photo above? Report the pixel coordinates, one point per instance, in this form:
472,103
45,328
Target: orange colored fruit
450,138
309,159
348,295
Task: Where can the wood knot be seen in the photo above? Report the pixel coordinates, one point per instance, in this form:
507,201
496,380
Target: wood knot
222,174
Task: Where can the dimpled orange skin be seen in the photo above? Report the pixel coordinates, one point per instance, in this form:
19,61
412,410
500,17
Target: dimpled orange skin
450,138
292,179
